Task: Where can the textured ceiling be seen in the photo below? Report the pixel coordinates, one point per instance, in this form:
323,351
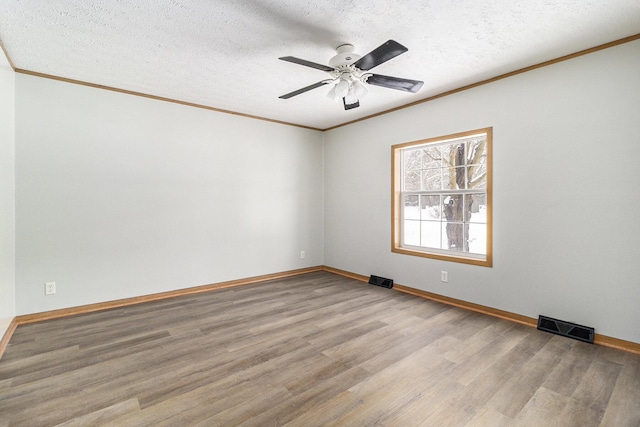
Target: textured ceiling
224,53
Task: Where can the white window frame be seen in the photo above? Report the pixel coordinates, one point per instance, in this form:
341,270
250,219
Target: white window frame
398,193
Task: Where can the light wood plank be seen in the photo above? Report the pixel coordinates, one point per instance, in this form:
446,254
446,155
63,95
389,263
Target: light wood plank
623,408
517,390
489,417
106,415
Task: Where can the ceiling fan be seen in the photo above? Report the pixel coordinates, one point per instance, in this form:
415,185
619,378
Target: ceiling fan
349,71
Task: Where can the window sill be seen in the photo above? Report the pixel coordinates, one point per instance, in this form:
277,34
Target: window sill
482,262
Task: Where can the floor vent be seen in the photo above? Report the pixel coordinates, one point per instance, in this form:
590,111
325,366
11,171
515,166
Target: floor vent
566,329
381,281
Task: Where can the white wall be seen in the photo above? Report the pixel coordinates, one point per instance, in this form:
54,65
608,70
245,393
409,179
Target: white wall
566,192
119,196
7,195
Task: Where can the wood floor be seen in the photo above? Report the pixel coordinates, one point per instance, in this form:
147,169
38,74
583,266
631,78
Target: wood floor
312,350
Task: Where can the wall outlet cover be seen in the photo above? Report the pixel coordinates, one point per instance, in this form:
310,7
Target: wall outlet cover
50,288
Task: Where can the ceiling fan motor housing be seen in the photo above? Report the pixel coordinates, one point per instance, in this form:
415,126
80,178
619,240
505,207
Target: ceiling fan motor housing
345,56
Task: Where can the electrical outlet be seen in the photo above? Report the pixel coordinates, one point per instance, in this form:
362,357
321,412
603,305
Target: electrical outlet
302,255
444,276
50,288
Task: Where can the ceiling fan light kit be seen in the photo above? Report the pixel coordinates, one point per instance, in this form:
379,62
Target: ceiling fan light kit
347,83
348,72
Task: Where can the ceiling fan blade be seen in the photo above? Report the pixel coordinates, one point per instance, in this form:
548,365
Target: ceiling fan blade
377,56
306,63
350,106
304,89
395,83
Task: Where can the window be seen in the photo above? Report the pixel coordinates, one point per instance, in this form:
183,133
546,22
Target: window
442,197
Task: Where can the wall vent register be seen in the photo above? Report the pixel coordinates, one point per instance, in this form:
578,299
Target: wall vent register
381,281
566,329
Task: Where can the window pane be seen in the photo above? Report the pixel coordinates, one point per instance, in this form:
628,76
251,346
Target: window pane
444,241
477,177
412,181
430,234
448,156
477,151
477,205
432,179
455,236
430,207
453,178
411,233
454,229
432,157
412,160
411,210
453,154
452,208
478,239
